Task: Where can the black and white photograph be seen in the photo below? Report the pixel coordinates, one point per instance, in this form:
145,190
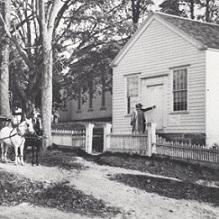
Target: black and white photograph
109,109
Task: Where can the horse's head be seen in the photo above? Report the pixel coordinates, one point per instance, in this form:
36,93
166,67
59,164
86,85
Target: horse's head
26,127
30,127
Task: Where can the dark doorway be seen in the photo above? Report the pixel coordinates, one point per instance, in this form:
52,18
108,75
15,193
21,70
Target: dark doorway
97,139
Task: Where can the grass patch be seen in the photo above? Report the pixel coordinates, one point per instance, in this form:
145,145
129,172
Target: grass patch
64,160
183,170
170,188
160,165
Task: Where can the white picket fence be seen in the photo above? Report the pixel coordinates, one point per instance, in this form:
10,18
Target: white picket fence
69,137
74,138
187,151
149,144
143,144
128,142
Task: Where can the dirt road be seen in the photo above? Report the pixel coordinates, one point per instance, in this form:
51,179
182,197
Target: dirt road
134,203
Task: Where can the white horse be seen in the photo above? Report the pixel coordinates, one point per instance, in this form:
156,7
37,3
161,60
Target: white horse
15,137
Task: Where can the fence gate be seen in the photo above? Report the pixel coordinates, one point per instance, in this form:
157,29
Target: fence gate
97,145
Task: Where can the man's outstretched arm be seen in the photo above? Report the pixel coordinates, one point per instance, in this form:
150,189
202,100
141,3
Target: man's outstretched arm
148,108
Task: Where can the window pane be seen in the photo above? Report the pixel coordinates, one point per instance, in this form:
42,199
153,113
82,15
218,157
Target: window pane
132,86
128,105
132,92
132,102
180,89
180,100
185,80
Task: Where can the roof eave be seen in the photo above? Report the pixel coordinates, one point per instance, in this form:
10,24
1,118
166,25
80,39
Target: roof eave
112,65
213,49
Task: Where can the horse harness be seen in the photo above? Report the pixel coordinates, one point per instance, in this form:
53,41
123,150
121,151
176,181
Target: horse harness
10,136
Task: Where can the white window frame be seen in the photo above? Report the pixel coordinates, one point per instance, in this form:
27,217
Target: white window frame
180,90
129,111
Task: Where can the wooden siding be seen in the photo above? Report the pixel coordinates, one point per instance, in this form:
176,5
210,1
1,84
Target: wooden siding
97,112
212,97
65,115
156,51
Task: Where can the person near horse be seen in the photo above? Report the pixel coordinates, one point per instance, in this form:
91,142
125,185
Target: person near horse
138,118
16,116
55,116
35,140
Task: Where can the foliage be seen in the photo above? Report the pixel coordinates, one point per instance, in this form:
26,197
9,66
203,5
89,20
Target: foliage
171,7
87,36
92,69
205,10
67,198
94,32
56,158
17,189
164,166
211,10
26,55
170,188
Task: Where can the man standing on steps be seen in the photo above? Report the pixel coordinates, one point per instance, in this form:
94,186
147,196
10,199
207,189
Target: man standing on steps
138,118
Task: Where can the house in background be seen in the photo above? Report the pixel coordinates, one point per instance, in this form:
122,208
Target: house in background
97,107
173,63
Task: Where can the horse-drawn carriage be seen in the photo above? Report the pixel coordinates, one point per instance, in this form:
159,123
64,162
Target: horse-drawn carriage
4,121
26,134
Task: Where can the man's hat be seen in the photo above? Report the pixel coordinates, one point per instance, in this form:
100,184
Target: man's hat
138,105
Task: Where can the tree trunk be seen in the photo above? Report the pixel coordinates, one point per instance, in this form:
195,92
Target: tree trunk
4,84
46,83
47,28
192,9
4,80
46,97
207,11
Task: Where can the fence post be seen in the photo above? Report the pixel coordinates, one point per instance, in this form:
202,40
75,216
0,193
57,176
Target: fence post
153,137
89,138
149,140
106,138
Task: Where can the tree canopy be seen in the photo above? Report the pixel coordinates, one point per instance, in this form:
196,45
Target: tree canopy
87,35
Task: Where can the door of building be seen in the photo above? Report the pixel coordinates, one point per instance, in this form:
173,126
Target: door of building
154,95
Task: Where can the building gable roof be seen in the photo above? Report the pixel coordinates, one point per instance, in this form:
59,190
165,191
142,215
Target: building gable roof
206,33
201,34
